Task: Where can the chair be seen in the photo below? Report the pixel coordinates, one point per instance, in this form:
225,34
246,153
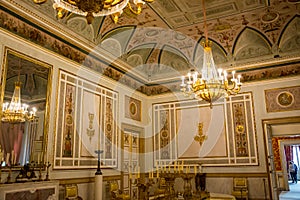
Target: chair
71,192
240,188
162,188
116,193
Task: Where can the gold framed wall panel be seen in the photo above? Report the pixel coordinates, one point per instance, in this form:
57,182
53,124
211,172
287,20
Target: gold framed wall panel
87,121
229,127
282,99
36,85
132,108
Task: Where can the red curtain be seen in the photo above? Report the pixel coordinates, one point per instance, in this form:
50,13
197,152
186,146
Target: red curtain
288,150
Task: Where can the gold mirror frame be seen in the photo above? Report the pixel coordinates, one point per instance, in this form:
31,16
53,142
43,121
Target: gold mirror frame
40,75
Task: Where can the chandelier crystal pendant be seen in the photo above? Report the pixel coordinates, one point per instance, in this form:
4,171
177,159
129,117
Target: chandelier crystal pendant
211,84
15,112
96,8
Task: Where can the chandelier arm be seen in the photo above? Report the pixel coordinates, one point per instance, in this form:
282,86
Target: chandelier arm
39,1
234,89
72,2
233,86
139,8
95,8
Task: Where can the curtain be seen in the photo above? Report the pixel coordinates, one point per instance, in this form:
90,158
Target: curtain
11,140
288,150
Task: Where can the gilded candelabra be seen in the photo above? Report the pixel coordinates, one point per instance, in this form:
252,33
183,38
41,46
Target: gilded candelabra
187,187
170,180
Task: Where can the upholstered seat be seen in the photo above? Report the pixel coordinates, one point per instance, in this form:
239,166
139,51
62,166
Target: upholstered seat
71,192
240,188
116,193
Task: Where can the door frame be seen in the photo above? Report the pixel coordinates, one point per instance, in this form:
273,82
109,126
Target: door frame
283,160
139,131
267,130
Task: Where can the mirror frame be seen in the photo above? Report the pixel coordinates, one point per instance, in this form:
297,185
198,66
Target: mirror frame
4,70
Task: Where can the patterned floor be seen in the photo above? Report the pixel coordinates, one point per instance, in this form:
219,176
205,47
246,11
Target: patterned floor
294,192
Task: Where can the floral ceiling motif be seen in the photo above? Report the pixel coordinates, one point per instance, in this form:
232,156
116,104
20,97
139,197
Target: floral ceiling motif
164,42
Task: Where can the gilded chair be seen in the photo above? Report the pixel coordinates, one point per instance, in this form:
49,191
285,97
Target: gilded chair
116,193
240,188
162,188
71,192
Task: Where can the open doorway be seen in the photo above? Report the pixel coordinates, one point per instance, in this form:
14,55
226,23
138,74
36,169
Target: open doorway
278,133
292,153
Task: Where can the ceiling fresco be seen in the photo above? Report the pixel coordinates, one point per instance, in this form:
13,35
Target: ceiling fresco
164,41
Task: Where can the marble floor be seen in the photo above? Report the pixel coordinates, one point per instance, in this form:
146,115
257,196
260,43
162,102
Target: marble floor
294,192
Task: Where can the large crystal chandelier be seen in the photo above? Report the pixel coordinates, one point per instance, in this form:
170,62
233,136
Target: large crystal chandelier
15,112
211,84
95,8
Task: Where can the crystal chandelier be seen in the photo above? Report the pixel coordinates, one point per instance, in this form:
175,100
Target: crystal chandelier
15,112
96,8
211,84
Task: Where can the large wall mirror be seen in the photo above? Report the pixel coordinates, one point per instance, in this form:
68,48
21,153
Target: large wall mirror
25,142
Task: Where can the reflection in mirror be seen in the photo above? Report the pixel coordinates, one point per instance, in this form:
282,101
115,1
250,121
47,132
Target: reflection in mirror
24,142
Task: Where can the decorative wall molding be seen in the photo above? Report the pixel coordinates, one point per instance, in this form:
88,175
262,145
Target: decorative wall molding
282,99
229,127
87,120
133,108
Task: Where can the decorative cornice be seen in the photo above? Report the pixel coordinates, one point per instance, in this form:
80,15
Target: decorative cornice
20,26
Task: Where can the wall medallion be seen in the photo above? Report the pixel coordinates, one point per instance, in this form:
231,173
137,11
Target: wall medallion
282,99
285,99
132,108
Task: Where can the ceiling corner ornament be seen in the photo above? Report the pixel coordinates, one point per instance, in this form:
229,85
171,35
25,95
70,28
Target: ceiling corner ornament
211,84
269,16
96,8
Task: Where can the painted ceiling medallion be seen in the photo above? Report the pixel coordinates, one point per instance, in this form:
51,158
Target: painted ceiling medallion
152,33
269,16
179,36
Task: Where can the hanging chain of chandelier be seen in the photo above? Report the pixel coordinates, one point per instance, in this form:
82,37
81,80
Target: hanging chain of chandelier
96,8
211,84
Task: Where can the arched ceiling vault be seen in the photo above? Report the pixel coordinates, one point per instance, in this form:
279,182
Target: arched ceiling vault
163,42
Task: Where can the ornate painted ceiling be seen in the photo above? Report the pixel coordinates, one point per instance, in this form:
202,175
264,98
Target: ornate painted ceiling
149,52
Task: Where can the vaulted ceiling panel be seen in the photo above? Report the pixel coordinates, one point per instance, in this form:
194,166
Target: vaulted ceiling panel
164,37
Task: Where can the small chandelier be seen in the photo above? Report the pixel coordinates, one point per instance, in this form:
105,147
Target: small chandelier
15,112
211,84
95,8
